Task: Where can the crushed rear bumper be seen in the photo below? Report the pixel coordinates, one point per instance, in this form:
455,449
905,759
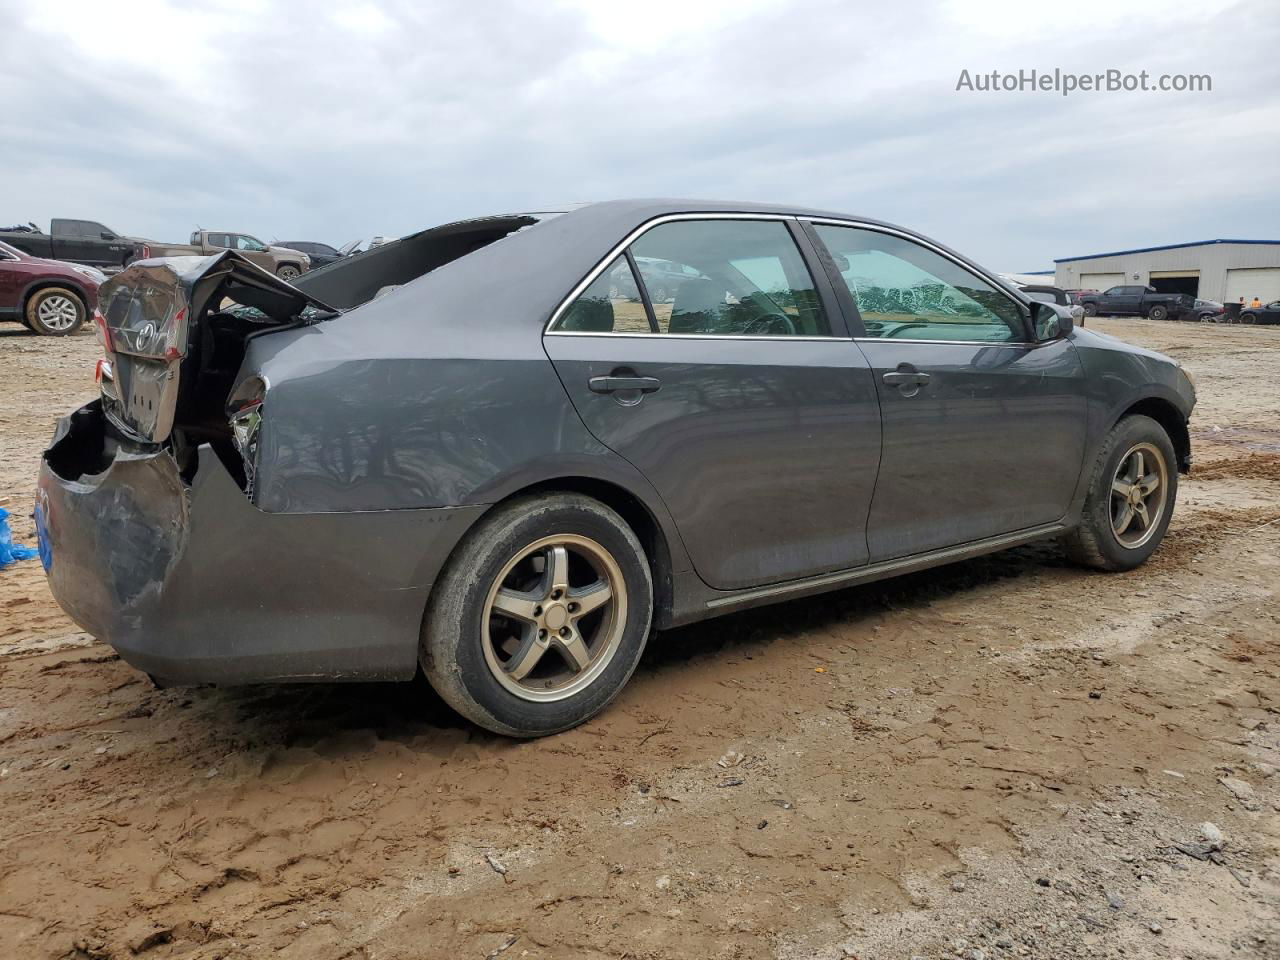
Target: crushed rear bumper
192,583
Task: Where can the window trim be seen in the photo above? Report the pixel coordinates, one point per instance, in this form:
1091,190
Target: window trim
625,247
1024,308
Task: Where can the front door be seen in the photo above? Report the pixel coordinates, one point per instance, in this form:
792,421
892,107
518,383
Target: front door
732,394
984,431
255,250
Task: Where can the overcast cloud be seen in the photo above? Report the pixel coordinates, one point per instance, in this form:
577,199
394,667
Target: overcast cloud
343,120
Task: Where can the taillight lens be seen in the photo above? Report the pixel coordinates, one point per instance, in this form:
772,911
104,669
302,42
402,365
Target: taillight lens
104,335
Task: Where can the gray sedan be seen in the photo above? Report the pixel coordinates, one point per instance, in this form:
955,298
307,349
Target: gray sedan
474,450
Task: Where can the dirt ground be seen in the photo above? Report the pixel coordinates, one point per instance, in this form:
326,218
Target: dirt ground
995,759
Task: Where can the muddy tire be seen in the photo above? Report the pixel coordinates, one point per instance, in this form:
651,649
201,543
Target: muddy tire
55,312
1130,500
1158,312
1248,317
288,271
540,617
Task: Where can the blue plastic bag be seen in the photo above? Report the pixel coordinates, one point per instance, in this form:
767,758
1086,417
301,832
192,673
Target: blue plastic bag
10,551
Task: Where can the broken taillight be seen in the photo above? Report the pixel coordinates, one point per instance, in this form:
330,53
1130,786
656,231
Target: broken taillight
244,414
104,335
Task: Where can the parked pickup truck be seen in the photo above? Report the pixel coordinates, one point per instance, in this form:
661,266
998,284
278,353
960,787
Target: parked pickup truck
1137,301
80,241
284,263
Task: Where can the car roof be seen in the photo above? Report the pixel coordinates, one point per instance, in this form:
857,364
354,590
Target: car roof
528,272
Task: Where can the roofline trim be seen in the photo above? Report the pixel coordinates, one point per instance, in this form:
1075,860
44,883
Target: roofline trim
1169,246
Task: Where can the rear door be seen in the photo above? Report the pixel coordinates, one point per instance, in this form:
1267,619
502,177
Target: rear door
73,240
738,395
983,430
1127,299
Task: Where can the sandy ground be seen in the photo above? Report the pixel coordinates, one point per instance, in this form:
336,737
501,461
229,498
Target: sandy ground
992,759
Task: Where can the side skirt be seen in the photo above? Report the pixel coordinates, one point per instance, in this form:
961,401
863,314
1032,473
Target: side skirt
778,592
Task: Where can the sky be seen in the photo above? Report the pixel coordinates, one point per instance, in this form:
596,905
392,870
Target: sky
338,121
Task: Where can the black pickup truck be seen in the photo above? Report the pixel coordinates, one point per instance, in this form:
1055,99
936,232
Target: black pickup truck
80,241
1137,301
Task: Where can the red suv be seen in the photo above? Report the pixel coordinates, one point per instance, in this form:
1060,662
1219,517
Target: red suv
51,297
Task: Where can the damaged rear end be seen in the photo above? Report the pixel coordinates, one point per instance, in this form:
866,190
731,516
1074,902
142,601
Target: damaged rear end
115,489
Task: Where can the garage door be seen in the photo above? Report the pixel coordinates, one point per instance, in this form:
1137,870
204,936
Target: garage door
1100,281
1260,282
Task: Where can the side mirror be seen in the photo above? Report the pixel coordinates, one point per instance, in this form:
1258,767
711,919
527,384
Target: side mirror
1051,321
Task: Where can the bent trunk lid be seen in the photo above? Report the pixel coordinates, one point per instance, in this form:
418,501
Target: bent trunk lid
151,313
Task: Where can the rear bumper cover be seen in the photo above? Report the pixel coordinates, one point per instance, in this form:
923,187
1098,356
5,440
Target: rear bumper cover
194,584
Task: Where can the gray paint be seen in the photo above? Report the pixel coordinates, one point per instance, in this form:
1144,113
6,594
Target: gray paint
389,430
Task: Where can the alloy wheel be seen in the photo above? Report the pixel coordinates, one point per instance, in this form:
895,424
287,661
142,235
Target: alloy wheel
1139,495
288,273
554,618
57,312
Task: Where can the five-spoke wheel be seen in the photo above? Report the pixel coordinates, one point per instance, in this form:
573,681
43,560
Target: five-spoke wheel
1130,497
1138,494
540,615
555,617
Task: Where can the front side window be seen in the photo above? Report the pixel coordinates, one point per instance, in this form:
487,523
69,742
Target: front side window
905,291
248,243
728,278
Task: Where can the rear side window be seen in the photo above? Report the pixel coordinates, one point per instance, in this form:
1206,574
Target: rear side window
611,304
905,291
215,239
704,278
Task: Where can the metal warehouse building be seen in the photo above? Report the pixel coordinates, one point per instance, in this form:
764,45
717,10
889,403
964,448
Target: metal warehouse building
1223,270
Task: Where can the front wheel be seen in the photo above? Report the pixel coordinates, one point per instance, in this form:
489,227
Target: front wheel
55,312
540,617
288,271
1130,498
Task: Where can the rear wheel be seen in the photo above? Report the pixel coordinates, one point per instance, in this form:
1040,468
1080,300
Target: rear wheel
540,617
1158,312
1090,309
55,312
1248,317
1130,499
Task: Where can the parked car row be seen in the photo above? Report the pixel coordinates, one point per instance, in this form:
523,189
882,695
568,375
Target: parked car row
284,262
94,243
1137,300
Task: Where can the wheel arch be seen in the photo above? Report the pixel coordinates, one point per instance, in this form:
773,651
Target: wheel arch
1171,419
636,514
44,283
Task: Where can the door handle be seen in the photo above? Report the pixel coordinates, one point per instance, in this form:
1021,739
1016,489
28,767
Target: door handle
616,384
904,379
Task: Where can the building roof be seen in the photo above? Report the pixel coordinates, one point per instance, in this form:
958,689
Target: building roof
1169,246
